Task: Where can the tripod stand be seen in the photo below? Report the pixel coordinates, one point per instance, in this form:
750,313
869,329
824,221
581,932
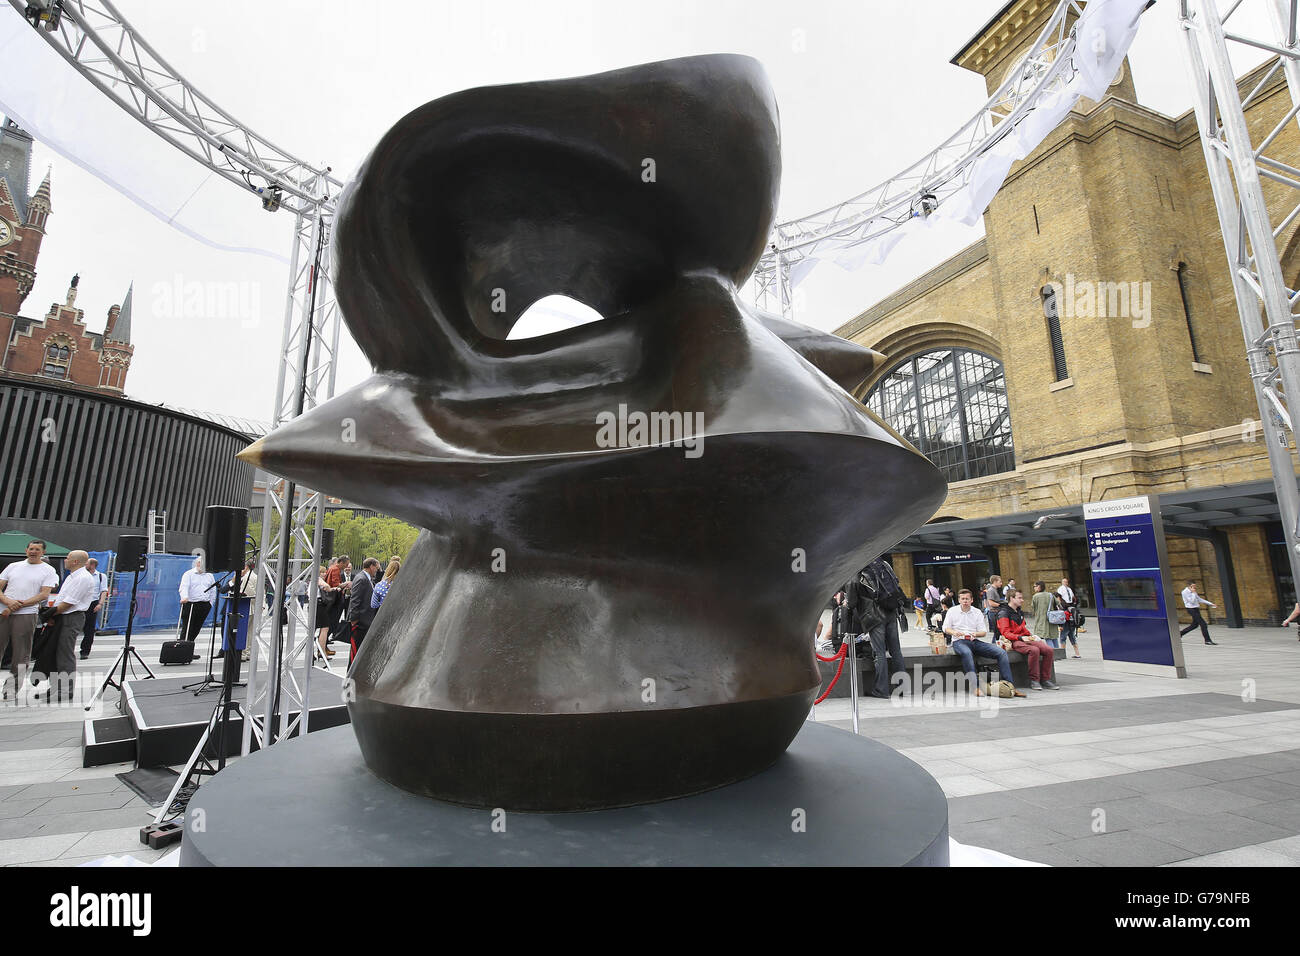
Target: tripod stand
125,655
200,763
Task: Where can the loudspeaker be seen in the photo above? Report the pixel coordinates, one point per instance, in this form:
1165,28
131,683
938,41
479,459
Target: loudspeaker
131,551
224,530
326,545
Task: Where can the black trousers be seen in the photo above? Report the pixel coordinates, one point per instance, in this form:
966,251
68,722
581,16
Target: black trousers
88,630
884,638
1197,621
193,614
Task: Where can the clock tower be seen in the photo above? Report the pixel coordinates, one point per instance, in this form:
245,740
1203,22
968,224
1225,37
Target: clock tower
22,222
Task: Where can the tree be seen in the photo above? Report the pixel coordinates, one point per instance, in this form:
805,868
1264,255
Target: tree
379,537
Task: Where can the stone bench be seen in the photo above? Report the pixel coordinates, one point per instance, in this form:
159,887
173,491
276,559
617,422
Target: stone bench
929,662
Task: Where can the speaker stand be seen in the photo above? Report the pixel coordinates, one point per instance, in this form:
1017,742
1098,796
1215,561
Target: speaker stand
127,655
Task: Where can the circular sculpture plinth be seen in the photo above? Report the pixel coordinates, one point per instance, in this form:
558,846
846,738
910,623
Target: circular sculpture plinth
830,799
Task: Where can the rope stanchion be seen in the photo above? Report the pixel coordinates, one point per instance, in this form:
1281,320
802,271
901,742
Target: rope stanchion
841,656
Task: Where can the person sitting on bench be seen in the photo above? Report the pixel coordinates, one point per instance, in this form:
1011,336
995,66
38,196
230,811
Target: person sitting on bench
968,629
1041,657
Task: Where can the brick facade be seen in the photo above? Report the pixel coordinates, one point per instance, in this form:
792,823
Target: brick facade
57,346
1158,402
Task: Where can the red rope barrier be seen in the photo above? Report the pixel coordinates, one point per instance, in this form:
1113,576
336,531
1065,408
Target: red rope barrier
841,656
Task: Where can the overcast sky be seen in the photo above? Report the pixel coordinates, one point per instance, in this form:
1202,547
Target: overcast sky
864,89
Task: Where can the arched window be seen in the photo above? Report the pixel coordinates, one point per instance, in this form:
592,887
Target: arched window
1052,312
952,405
57,357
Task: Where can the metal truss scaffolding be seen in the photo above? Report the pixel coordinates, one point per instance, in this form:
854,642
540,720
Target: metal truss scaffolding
1044,71
99,43
1238,168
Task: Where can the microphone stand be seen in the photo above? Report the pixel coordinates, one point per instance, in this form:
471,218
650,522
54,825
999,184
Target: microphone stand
209,679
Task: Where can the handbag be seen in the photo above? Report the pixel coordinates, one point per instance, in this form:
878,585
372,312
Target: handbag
902,622
1057,617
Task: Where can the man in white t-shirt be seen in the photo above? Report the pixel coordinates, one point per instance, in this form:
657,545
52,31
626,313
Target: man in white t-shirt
78,592
24,586
968,628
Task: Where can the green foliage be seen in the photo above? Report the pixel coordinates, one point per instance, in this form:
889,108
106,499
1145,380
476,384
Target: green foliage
358,538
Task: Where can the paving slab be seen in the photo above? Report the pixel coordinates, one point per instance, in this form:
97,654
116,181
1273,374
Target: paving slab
1127,848
1205,800
1228,832
32,849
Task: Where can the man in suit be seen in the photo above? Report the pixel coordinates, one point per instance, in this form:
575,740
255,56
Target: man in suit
360,613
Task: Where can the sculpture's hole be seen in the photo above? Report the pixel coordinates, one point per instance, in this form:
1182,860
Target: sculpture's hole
555,313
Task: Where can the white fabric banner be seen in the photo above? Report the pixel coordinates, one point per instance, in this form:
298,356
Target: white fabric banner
1103,36
47,97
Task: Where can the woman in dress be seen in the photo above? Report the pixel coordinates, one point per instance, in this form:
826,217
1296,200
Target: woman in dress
325,597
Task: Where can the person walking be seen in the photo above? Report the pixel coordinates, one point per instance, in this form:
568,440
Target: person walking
88,634
933,599
1068,601
1193,601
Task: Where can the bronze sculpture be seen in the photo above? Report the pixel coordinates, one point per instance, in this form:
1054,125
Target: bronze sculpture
608,606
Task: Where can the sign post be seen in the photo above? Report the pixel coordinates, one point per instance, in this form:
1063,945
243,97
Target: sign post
1130,582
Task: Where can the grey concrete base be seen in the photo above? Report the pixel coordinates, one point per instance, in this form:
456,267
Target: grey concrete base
831,799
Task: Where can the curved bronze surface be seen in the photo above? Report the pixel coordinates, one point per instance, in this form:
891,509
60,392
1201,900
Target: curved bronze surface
581,625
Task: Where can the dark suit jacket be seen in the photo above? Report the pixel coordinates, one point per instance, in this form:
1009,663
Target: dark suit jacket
359,608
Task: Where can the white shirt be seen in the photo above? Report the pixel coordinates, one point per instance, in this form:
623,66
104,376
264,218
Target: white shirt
24,580
195,586
101,580
972,621
1066,594
1193,600
78,591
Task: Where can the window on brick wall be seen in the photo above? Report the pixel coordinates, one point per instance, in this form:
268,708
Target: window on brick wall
1187,309
57,359
1051,311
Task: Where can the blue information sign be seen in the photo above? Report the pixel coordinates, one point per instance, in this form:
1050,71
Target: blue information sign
1127,551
